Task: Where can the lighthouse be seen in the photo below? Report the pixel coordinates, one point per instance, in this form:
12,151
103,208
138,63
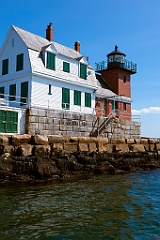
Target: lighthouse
117,71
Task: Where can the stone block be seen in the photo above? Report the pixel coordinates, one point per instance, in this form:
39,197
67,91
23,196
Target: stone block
137,148
157,146
70,147
7,149
75,128
20,139
55,139
57,147
40,139
92,147
109,148
117,141
101,147
24,150
144,141
121,147
152,140
137,140
130,140
4,140
152,147
83,146
74,139
41,150
101,140
42,112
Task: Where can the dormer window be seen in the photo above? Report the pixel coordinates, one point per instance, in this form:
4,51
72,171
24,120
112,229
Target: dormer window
83,71
66,67
50,60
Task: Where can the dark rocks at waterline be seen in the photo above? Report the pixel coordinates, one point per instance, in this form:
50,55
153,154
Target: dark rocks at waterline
76,165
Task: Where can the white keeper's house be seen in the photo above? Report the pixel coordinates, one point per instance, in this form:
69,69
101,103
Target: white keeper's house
48,88
38,72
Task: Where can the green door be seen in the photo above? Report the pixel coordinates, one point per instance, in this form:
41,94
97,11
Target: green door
8,121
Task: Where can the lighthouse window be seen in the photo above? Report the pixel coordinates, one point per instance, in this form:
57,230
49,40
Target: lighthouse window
125,107
124,79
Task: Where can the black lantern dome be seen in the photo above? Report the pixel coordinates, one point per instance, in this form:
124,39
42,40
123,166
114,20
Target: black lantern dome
115,58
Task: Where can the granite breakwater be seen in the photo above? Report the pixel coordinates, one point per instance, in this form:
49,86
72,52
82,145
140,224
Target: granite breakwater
44,158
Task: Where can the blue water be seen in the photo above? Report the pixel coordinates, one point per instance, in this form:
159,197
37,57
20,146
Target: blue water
104,207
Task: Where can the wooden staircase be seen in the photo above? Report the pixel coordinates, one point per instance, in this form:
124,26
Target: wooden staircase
99,126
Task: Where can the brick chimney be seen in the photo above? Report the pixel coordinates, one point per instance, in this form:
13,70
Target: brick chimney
49,32
77,46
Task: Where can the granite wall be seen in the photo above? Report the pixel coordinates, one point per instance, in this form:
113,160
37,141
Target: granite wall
66,123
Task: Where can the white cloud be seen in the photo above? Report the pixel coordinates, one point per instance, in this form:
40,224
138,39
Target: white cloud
150,110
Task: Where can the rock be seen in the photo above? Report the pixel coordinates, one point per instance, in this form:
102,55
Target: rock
41,150
40,140
137,148
130,141
55,139
57,148
24,150
92,147
121,148
20,139
4,140
70,147
83,147
118,141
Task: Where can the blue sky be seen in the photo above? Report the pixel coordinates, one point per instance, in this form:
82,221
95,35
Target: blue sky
99,25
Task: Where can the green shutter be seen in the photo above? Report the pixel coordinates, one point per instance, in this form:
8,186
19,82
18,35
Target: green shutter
24,92
12,92
8,121
66,67
87,99
50,60
5,67
12,121
65,98
83,71
77,97
1,92
19,64
2,121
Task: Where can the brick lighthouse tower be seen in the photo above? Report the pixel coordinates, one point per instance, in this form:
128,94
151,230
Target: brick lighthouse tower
116,72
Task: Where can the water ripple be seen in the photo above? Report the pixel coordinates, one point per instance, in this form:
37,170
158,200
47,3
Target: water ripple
116,207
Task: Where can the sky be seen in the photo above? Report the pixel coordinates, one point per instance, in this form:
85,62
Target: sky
99,25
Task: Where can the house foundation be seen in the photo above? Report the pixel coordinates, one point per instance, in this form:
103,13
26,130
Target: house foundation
67,123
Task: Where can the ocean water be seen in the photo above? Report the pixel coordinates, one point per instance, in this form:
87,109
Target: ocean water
103,207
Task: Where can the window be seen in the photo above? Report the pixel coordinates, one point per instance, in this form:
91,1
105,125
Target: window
1,92
83,71
77,97
19,63
66,67
125,107
114,105
65,98
24,92
5,66
49,89
124,79
50,60
12,92
87,100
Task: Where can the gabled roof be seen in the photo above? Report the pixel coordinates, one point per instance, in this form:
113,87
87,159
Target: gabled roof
36,43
